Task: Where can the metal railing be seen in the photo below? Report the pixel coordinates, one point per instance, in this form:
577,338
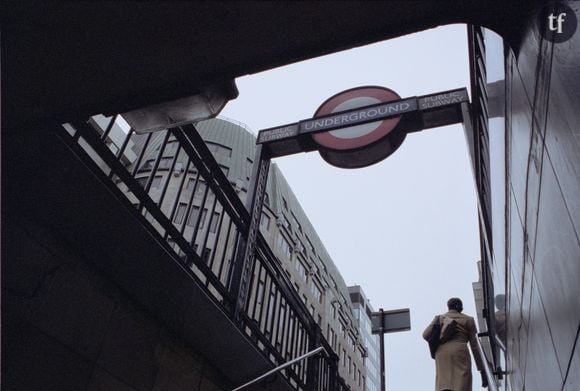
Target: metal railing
174,184
489,373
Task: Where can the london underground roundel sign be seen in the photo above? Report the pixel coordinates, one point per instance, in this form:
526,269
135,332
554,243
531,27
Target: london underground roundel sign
364,144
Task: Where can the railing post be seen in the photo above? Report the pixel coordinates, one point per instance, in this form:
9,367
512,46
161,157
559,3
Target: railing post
246,249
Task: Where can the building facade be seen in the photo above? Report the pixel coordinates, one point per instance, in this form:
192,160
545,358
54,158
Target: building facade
525,147
371,342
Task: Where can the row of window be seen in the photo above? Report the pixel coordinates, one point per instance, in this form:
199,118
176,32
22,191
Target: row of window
193,217
286,248
296,224
301,269
353,371
200,187
166,162
215,148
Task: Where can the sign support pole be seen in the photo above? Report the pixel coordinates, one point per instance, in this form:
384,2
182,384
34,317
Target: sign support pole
382,338
244,260
388,322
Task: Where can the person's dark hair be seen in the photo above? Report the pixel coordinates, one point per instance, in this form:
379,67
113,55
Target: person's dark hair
455,304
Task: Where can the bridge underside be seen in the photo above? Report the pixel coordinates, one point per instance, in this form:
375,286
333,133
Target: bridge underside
76,59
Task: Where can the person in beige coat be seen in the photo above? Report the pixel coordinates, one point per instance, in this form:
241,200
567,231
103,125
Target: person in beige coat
452,360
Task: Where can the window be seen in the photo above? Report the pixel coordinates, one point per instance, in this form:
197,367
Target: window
193,217
332,338
265,222
164,164
266,199
349,365
284,246
200,188
300,268
284,203
214,222
190,183
316,292
180,213
155,184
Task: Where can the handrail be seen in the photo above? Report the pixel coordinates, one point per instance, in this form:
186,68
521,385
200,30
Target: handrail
491,381
279,368
499,342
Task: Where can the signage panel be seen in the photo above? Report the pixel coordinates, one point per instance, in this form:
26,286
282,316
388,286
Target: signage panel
278,133
358,116
362,125
443,99
392,321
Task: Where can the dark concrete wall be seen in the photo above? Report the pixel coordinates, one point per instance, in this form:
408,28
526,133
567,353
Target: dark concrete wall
67,327
543,213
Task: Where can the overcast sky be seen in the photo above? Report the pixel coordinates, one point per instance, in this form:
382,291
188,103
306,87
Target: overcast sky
405,229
